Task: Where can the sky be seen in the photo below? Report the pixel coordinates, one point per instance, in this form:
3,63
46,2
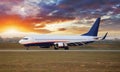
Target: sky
62,17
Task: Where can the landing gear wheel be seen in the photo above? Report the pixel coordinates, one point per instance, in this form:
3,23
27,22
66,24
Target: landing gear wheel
56,47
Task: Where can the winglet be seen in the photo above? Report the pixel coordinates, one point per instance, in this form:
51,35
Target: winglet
104,36
94,29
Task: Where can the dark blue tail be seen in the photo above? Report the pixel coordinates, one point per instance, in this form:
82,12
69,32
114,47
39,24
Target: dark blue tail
94,29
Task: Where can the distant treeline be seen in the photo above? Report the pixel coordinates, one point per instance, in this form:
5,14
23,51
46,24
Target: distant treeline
9,40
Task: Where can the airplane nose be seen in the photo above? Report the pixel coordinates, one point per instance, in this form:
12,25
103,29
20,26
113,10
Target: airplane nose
20,41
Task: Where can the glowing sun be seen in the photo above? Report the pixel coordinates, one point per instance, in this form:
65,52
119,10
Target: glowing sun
10,31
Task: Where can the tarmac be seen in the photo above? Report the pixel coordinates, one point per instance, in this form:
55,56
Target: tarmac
60,50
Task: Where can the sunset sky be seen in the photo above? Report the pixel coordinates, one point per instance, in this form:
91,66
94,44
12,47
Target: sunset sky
23,17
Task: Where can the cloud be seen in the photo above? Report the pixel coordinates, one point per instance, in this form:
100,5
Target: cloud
71,30
26,8
52,16
64,8
61,29
56,25
6,5
42,31
106,17
40,25
89,7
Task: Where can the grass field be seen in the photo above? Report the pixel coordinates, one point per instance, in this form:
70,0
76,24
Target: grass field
60,61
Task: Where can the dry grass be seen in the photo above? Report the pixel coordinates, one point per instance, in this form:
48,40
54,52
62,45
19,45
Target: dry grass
59,61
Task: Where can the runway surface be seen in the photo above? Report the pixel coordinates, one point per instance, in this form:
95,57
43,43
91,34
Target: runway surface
59,50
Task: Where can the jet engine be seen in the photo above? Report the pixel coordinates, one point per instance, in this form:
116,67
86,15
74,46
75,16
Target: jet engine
61,45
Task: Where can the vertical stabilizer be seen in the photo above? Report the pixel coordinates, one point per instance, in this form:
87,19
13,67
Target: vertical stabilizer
94,29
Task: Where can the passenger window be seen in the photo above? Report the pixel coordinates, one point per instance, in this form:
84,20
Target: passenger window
25,38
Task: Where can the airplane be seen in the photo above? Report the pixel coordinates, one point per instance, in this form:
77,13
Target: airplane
58,41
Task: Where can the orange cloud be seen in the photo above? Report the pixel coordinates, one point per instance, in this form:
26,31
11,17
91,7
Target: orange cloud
28,24
61,29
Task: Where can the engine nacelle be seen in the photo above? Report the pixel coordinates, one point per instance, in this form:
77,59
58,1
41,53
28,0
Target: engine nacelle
61,45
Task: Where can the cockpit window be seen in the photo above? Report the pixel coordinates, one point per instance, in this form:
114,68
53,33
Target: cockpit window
25,38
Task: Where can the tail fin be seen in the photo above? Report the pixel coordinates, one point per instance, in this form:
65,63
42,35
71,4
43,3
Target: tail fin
94,29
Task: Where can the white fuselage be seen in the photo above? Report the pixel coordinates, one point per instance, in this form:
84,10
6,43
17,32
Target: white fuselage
56,39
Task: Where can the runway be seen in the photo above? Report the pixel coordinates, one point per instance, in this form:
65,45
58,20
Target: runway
59,50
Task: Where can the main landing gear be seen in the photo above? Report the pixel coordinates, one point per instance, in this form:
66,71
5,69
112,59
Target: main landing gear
56,47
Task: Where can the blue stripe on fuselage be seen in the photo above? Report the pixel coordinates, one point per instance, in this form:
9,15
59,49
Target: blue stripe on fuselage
40,44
